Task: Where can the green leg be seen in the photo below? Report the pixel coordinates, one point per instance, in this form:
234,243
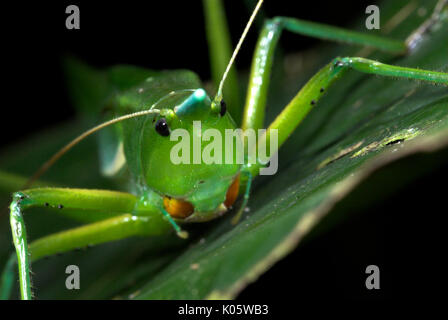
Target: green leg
262,62
220,49
310,94
128,217
247,182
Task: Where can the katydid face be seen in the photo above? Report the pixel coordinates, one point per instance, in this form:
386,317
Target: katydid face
183,156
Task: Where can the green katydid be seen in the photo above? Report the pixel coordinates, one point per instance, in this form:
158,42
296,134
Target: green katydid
147,108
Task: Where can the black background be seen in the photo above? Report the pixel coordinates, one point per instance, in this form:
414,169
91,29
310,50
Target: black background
151,34
169,35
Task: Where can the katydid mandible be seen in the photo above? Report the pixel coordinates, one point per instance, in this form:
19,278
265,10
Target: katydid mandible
148,106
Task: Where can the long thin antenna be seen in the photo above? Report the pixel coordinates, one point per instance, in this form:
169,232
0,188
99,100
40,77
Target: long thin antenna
237,49
81,137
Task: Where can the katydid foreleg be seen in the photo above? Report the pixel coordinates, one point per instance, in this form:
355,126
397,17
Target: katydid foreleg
128,216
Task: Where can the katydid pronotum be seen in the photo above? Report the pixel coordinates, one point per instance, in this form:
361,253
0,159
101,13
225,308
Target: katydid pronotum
151,105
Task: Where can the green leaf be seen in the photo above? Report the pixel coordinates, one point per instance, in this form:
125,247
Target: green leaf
363,124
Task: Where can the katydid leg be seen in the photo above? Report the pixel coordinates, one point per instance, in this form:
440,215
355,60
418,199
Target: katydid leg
254,109
127,217
247,183
294,113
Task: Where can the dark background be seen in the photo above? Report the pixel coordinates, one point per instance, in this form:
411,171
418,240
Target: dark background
169,35
151,34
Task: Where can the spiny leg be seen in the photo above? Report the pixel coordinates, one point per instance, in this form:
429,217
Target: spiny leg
254,109
112,229
294,113
9,182
89,205
40,198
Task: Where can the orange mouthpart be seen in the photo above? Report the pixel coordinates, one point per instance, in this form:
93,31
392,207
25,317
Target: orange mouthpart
232,192
178,208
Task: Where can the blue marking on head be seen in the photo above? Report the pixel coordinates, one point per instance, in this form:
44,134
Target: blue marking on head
195,101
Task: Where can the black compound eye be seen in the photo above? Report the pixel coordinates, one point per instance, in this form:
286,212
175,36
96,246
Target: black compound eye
223,108
162,127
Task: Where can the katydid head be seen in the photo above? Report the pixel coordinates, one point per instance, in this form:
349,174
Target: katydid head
203,186
184,156
209,185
